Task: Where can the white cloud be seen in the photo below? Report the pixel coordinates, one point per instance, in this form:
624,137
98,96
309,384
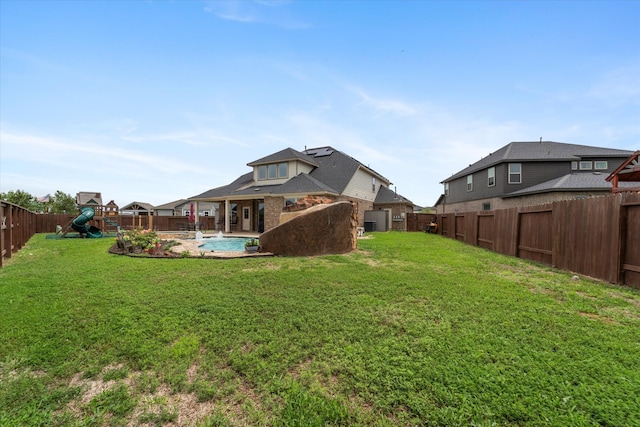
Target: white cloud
274,13
384,105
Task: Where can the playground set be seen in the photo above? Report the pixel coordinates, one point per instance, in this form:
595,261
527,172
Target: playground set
81,227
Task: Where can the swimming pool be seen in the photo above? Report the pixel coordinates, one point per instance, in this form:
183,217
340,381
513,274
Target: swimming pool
224,244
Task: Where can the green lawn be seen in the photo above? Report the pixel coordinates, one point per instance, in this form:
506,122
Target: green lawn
411,329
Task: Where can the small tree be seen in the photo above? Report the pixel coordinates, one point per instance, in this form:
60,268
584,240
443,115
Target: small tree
63,203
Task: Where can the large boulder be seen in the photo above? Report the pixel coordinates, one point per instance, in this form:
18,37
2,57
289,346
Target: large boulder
320,230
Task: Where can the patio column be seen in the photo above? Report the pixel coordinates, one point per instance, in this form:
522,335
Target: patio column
227,212
196,217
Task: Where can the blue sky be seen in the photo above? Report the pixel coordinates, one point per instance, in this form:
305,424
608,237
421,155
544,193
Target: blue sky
154,101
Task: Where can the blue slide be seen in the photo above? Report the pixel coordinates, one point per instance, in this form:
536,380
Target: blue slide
79,224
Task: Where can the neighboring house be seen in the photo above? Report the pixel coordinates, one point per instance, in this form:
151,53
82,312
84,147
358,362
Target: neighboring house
255,200
182,207
171,209
137,209
90,199
530,173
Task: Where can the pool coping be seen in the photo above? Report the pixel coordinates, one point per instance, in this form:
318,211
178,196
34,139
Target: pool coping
192,246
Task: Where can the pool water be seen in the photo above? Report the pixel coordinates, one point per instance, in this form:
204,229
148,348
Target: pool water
224,244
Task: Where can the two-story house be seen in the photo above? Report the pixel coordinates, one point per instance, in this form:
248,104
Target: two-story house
529,174
255,200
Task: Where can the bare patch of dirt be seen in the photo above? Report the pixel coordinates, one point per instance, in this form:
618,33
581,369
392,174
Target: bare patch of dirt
587,296
595,316
183,409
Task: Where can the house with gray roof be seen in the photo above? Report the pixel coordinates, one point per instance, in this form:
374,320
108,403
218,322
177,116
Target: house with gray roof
529,174
137,209
254,201
183,207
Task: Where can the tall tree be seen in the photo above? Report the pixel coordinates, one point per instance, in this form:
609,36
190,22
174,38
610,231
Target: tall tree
22,198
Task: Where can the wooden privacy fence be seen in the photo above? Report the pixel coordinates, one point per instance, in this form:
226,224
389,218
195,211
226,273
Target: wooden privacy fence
18,225
46,223
597,237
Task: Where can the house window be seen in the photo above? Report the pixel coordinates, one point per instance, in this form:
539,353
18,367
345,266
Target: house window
446,188
262,172
586,166
469,182
600,165
486,206
491,177
574,166
272,171
515,173
373,184
283,170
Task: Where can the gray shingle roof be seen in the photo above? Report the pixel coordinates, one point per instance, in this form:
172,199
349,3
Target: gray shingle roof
570,182
386,195
539,151
172,205
335,168
140,206
332,172
226,190
301,183
282,156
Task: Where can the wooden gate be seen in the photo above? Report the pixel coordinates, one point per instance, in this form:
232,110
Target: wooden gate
631,245
535,235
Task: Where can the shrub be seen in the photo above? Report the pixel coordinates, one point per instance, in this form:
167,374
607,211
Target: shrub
252,242
145,240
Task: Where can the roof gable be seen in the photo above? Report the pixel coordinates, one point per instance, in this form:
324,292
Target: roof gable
629,170
138,206
283,156
84,198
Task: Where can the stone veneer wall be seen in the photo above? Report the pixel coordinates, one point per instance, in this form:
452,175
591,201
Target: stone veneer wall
272,210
